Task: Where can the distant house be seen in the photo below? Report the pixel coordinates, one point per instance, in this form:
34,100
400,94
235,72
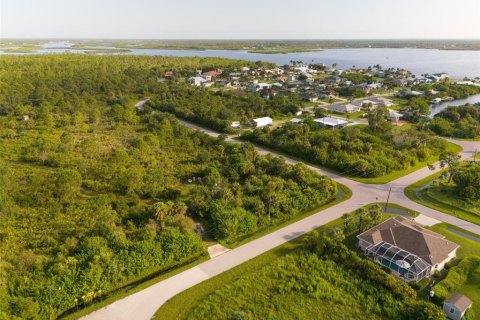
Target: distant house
261,122
373,103
296,121
345,108
213,73
223,83
330,122
168,74
394,115
410,251
328,94
207,84
197,81
400,82
141,105
235,124
310,97
408,93
456,306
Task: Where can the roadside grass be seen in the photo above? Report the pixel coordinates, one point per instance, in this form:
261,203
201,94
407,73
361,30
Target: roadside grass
445,202
147,280
467,247
182,304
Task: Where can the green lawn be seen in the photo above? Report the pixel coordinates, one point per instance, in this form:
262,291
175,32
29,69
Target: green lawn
181,306
467,247
442,199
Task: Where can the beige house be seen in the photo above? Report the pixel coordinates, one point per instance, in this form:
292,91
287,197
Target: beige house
410,251
456,306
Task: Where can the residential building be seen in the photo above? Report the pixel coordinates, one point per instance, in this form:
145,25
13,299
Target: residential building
410,251
329,122
345,108
296,121
456,306
235,124
261,122
197,81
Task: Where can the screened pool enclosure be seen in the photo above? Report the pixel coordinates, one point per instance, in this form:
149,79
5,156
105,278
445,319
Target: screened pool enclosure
404,264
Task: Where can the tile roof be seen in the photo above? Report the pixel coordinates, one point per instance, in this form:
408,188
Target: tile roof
412,237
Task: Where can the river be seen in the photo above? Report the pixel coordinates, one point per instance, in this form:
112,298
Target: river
457,63
437,108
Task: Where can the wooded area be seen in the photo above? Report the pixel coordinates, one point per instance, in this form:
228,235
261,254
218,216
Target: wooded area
95,193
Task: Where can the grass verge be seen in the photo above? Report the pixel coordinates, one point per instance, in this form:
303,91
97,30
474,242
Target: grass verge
439,201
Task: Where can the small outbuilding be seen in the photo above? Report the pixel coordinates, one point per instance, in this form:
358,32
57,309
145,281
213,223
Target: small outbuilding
261,122
456,306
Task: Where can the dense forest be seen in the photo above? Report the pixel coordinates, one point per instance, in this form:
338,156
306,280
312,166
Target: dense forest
354,151
322,278
458,122
95,193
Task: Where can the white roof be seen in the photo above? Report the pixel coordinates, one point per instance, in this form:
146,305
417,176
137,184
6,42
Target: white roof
263,119
346,107
329,121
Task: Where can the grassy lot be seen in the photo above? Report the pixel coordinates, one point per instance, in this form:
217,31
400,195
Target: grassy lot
442,199
143,282
467,247
181,305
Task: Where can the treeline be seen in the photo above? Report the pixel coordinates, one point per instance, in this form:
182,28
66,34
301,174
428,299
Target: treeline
354,151
458,122
95,194
218,110
467,181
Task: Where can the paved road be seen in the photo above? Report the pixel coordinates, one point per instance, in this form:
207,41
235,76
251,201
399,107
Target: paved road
143,304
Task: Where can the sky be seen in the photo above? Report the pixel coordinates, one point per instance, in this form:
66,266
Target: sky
241,19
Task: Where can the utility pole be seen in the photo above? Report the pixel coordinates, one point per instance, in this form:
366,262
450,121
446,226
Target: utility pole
388,198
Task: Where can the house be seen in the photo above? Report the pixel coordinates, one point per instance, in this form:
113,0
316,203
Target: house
168,74
223,83
213,73
394,115
345,108
296,121
410,251
330,122
400,82
408,93
456,306
373,103
140,106
310,97
197,81
207,84
235,124
328,94
261,122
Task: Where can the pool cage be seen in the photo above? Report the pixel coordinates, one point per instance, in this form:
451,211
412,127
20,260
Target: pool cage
404,264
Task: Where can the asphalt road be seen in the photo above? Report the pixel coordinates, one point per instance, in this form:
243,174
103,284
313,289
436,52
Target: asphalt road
143,304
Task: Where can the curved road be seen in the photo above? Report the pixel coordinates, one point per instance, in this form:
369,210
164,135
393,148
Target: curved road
143,304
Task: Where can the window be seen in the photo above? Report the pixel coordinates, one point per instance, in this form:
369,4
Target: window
452,310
